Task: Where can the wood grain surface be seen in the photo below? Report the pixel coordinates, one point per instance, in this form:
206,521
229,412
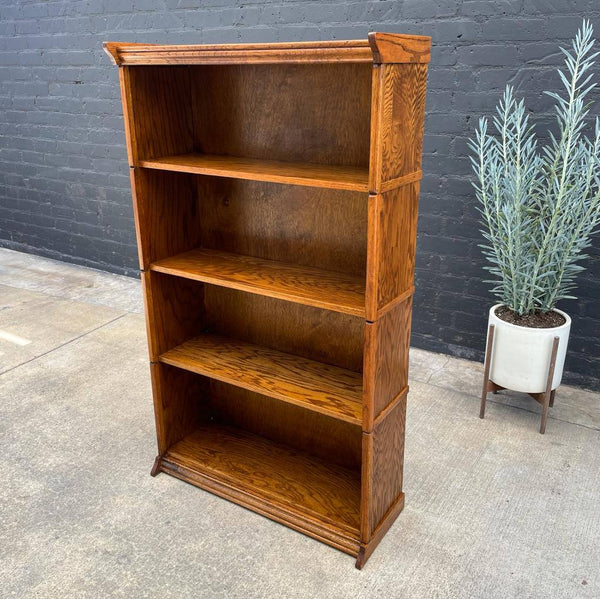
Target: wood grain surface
308,226
402,119
391,335
157,104
174,310
398,48
180,403
322,117
313,333
166,214
386,360
397,119
273,472
297,173
331,439
306,285
396,227
387,464
316,386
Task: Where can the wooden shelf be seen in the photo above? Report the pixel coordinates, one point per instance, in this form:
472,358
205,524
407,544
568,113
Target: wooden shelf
294,173
246,467
301,284
315,386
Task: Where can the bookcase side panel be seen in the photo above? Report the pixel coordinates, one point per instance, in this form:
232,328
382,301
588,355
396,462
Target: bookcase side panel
397,232
376,127
398,110
383,465
180,403
403,88
385,371
166,214
373,256
127,104
157,110
174,311
397,119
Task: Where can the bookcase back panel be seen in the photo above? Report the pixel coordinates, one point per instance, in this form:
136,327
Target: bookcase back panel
309,226
291,112
320,335
314,433
178,212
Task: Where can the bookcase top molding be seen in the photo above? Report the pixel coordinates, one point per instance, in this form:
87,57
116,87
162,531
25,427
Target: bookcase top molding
379,48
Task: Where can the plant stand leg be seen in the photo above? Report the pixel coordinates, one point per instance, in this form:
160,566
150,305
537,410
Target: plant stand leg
486,371
552,397
548,396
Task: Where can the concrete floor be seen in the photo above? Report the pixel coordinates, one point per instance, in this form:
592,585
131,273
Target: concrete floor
493,509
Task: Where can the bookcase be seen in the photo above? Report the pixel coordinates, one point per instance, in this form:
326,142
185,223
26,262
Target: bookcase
275,191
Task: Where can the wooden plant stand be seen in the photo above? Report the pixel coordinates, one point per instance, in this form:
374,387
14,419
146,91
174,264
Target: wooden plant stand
546,398
275,192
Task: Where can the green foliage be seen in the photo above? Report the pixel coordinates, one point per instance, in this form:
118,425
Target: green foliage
540,207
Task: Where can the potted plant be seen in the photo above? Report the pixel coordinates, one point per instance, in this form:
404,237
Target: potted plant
539,207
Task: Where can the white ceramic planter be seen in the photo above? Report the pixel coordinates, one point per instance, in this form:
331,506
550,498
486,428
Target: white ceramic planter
521,355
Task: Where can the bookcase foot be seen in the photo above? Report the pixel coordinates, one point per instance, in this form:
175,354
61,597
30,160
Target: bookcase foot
360,559
156,466
366,549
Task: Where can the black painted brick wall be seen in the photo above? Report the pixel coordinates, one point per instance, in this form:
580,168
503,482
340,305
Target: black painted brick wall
64,181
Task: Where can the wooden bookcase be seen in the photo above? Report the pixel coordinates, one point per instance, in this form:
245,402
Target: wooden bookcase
275,191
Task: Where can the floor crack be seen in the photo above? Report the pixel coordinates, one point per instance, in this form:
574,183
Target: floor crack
442,367
63,344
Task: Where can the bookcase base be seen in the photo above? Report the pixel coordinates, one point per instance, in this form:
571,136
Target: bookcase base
313,528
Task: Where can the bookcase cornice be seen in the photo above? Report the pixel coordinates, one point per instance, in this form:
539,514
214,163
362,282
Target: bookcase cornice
379,48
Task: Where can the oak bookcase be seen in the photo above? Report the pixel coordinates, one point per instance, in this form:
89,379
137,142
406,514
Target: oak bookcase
275,191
